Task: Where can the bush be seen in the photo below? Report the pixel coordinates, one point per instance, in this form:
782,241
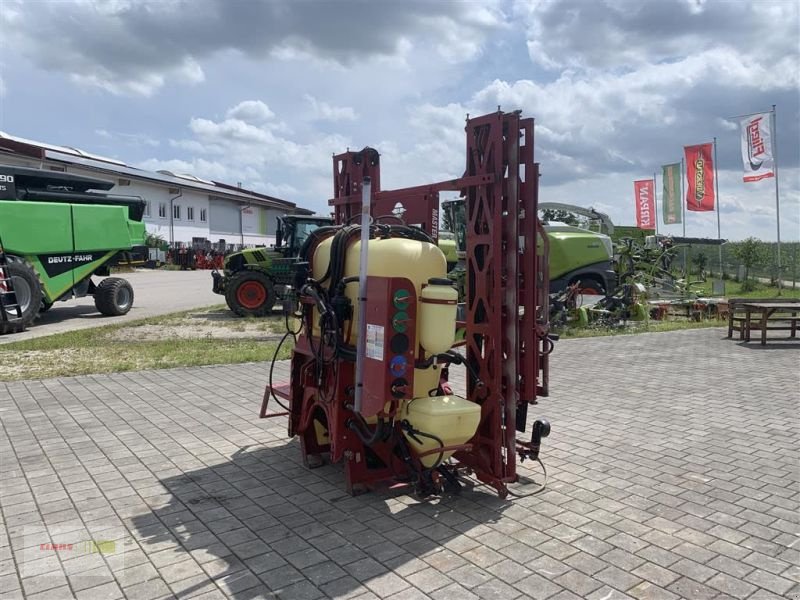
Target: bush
749,285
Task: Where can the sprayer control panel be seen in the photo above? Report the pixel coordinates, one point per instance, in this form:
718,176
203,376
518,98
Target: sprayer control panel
391,342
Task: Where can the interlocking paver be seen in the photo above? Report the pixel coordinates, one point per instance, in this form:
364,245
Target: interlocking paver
674,484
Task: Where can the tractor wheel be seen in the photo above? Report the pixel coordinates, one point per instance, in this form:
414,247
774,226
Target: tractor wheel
250,294
113,297
589,286
28,290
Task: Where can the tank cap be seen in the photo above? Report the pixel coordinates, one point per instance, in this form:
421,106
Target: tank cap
440,281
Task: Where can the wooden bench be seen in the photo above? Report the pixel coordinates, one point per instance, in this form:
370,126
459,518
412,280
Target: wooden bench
762,314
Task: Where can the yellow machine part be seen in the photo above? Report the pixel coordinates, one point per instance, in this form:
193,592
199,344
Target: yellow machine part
393,257
452,419
437,317
321,432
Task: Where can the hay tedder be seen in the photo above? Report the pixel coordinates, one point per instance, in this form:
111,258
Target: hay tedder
377,322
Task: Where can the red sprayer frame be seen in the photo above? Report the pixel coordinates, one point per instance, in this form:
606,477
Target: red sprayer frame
506,305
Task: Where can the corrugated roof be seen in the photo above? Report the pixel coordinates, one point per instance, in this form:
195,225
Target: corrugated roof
102,164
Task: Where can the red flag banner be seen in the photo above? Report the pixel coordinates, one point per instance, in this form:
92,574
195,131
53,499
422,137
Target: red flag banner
644,196
699,177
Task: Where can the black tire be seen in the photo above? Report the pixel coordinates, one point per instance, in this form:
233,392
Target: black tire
250,294
113,297
29,294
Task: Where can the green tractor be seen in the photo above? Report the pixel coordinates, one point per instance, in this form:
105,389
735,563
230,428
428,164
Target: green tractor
254,278
55,234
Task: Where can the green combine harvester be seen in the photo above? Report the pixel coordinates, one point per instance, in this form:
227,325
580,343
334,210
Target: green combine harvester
56,231
577,255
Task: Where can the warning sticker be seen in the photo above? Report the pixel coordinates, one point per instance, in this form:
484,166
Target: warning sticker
374,341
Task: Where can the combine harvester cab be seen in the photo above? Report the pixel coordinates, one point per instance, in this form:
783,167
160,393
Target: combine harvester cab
56,231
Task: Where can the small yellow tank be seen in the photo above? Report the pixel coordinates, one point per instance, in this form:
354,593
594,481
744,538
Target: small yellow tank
437,316
452,419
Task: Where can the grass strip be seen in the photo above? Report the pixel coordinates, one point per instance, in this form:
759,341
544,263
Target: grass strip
103,350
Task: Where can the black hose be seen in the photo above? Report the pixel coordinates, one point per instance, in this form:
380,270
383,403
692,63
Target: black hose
366,439
461,360
413,433
272,368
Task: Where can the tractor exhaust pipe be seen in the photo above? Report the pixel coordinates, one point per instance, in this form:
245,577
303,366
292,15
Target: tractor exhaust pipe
366,188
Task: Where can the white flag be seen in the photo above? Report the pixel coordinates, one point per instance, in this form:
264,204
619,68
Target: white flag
757,147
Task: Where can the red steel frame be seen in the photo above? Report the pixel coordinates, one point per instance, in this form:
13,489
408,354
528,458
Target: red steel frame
506,303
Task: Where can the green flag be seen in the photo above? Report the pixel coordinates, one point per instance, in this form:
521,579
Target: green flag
671,199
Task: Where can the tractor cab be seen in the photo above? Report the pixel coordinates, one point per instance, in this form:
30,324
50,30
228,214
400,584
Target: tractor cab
293,230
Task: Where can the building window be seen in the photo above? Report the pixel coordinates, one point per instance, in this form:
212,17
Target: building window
176,212
190,213
147,208
162,210
203,216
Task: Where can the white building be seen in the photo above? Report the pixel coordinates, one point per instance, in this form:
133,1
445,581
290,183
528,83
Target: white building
180,208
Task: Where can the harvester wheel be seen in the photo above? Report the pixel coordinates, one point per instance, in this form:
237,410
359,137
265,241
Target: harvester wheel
28,290
590,286
113,297
250,294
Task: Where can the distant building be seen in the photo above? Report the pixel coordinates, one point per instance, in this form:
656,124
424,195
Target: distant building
180,208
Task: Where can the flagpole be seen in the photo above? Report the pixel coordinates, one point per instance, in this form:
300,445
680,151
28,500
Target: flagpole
683,220
716,183
655,203
777,197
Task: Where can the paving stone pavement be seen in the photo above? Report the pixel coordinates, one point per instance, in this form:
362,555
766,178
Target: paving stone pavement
673,465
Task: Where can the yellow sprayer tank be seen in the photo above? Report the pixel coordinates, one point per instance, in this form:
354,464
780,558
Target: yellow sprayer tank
437,316
452,419
393,257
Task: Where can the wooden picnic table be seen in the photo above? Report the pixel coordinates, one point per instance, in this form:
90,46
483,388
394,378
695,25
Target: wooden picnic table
766,310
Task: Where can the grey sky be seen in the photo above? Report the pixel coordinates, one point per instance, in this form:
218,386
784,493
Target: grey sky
265,92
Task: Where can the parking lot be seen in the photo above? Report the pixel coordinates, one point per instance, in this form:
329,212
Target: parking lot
673,473
155,293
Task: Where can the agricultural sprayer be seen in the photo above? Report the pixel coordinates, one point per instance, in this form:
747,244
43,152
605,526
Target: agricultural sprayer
377,322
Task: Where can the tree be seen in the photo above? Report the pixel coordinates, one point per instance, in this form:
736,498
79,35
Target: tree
750,252
562,216
700,260
447,221
153,240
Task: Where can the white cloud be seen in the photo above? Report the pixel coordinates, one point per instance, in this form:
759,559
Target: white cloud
136,48
617,87
130,139
257,155
251,111
325,112
624,34
604,120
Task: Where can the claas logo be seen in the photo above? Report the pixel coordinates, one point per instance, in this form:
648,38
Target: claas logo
101,546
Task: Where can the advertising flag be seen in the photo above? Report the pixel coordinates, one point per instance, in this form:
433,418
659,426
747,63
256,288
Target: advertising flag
757,148
699,177
644,196
671,198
